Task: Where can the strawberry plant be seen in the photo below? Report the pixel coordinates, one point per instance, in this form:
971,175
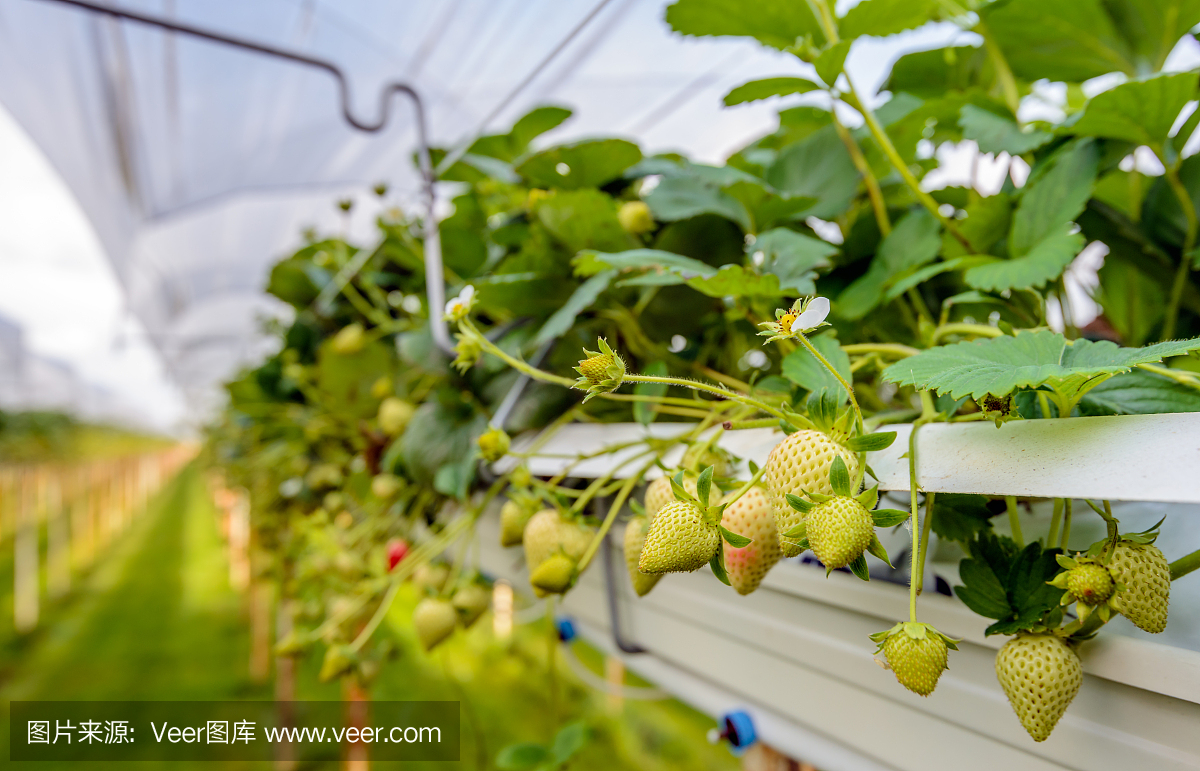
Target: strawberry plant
817,283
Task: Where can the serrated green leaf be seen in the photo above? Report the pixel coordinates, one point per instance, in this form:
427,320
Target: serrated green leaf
959,517
859,567
986,224
913,242
733,539
570,739
981,590
996,133
819,167
936,269
521,757
1140,111
879,18
679,198
768,87
1043,263
535,123
829,64
1140,393
590,262
889,517
875,442
1054,195
998,366
736,281
803,369
581,299
794,257
643,412
1075,40
590,163
777,23
930,74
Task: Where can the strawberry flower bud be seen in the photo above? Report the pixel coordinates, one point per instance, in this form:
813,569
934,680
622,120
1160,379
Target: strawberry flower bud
601,372
493,444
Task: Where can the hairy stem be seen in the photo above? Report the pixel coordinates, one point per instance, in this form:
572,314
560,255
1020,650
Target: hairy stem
1184,565
899,350
858,417
1066,531
914,568
1010,503
724,392
874,192
613,510
1055,522
925,527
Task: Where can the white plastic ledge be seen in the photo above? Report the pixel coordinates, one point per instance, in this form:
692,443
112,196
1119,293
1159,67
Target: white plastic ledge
1118,458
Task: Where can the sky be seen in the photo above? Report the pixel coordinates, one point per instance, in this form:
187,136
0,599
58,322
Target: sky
56,283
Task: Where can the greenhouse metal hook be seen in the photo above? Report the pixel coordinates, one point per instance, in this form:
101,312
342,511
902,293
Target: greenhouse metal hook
435,281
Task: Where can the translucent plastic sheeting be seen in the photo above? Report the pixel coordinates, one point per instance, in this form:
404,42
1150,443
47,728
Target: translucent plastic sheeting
199,164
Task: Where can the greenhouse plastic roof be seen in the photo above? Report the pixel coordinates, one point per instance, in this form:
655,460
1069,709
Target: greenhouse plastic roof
199,164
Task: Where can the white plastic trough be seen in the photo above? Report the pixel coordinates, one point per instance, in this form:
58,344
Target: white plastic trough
795,654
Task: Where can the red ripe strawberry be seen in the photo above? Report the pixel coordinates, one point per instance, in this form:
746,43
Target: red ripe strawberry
397,549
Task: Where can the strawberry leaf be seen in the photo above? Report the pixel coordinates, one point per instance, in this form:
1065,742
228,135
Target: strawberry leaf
959,516
839,476
733,539
889,517
1000,365
717,563
768,87
1009,584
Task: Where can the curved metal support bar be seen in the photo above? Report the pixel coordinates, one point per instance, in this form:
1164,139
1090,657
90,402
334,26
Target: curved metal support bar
610,587
434,276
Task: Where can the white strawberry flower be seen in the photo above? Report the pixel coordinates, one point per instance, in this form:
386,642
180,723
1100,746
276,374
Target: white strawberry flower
458,307
812,316
804,316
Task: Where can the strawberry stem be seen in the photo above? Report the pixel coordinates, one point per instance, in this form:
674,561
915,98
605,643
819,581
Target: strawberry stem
1014,521
613,510
1184,565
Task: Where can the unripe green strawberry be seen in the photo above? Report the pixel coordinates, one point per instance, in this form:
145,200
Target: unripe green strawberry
635,540
751,516
635,217
659,494
547,533
799,464
386,485
349,339
513,518
1040,675
680,540
555,575
916,653
1090,583
471,601
394,414
434,621
430,578
839,531
1145,578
